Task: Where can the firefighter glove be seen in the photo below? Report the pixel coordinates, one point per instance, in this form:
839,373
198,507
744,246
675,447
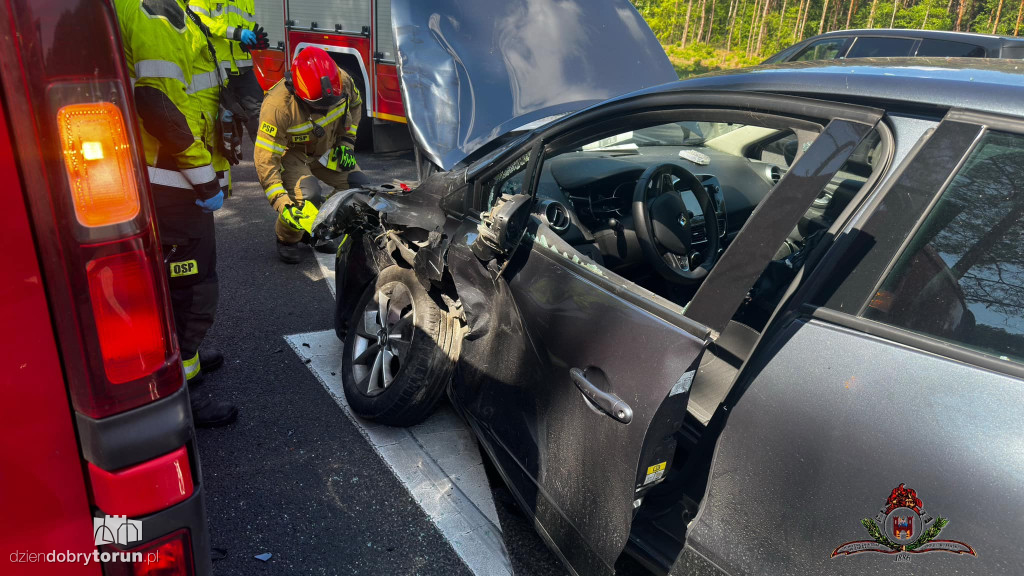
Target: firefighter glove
299,218
255,39
212,204
262,40
248,37
341,158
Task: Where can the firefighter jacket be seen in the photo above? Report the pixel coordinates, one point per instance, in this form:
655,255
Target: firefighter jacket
162,48
225,19
288,126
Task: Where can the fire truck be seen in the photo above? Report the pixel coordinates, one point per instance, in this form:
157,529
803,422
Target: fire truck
358,35
99,468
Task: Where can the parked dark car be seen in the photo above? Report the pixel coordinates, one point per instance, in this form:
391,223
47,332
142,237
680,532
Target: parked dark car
762,322
897,43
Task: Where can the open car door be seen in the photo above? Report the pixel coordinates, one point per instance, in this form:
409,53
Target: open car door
563,374
575,378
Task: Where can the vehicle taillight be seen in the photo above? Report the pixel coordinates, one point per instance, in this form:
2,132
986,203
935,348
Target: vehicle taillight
112,256
98,158
168,556
127,312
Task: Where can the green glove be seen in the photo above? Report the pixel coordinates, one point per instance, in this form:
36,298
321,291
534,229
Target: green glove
299,218
341,158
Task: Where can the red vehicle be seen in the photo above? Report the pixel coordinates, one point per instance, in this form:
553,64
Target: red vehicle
98,453
358,35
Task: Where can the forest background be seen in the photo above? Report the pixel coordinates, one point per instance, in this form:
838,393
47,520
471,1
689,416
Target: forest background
704,35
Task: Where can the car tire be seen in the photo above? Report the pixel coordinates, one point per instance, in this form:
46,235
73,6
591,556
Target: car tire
396,375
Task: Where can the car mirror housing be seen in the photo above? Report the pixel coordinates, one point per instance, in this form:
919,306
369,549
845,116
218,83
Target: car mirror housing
502,227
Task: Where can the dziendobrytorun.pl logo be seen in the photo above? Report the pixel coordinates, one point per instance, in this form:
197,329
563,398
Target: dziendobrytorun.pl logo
107,530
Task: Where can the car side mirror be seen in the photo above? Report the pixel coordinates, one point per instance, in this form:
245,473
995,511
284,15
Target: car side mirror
789,151
502,227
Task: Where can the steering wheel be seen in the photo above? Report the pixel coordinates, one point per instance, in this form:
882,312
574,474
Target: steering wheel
663,223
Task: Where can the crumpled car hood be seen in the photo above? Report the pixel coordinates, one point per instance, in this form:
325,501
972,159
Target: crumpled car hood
473,70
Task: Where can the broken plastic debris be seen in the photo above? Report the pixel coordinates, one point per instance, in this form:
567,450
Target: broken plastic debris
263,557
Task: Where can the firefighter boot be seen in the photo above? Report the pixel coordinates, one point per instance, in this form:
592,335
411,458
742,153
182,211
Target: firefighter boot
289,253
209,414
210,360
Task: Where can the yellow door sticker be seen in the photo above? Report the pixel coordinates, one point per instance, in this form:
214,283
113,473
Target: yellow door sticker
268,128
186,268
301,138
657,468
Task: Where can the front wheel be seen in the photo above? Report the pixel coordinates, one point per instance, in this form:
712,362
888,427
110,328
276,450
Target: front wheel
399,351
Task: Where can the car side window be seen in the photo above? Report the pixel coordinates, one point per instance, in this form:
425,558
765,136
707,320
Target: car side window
945,48
781,151
961,276
821,50
874,47
509,180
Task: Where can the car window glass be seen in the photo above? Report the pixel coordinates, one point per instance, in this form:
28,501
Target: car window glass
821,50
961,277
945,48
811,230
868,47
781,151
507,181
586,192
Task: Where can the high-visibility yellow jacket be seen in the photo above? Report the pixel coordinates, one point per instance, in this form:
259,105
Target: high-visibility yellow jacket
287,127
226,19
161,46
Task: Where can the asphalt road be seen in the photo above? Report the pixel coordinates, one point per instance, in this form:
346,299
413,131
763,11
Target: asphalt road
293,477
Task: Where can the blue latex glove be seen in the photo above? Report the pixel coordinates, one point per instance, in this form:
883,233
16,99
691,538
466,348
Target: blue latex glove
213,204
248,37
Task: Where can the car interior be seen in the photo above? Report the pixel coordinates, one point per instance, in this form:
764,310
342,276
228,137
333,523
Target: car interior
587,191
715,174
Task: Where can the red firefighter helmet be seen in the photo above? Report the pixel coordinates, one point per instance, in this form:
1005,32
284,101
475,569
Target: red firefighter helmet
316,78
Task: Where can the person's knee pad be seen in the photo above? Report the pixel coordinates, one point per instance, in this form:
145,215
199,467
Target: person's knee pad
358,179
309,189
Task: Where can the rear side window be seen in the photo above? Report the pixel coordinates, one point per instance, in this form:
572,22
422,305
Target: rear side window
821,50
961,276
868,47
948,49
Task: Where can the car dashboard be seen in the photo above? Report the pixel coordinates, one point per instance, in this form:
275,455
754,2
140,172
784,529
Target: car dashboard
586,196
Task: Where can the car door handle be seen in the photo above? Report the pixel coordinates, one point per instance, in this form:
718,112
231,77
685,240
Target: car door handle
608,403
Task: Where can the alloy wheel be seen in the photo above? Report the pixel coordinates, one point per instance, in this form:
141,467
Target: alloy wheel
383,339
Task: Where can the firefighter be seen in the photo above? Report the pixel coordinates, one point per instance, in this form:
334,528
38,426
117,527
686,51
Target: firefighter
161,45
235,34
307,133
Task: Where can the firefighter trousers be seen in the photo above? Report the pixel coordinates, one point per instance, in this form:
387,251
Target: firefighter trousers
192,277
299,176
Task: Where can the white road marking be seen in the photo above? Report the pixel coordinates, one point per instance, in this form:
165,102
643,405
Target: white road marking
326,262
438,461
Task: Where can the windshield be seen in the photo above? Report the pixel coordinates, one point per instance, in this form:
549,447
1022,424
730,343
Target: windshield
674,134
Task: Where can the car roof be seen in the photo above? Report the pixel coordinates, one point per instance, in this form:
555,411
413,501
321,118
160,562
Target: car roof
974,37
985,85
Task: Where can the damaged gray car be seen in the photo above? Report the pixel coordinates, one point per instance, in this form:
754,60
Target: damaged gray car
766,322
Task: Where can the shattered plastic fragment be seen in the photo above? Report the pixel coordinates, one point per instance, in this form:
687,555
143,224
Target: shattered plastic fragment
264,557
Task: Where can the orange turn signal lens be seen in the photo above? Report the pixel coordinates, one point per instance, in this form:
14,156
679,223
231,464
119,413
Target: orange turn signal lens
98,157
